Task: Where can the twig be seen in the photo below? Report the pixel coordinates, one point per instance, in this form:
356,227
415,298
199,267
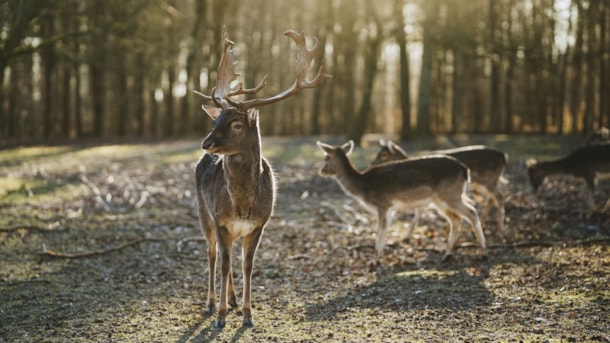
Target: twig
52,253
188,239
26,227
96,191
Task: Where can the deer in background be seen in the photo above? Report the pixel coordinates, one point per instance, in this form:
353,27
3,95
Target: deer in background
486,168
438,181
584,163
235,184
601,136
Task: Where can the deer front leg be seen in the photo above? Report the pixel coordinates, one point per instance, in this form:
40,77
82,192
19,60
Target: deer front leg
211,306
250,244
209,232
382,227
225,243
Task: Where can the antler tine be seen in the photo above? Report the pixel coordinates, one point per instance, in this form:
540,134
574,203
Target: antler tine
303,63
304,59
225,75
206,97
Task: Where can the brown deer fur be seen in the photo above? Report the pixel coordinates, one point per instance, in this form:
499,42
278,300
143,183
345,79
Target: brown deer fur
437,181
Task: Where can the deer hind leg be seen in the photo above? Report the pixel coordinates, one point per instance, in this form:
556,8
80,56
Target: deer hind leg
232,299
225,244
494,198
590,180
250,244
414,223
499,202
469,213
454,224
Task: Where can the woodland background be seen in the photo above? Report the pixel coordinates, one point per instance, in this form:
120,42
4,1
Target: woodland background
76,69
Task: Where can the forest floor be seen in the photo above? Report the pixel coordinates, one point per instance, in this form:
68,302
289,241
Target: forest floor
102,244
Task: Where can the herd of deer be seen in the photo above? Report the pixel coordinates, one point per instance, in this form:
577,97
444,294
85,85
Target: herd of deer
236,185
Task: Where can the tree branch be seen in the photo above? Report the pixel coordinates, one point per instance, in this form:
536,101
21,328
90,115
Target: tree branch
57,254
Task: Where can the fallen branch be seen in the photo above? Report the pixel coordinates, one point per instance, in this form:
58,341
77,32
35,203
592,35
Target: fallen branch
57,254
188,239
28,228
96,191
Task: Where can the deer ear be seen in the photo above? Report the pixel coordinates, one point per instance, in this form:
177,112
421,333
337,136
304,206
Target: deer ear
213,112
530,162
396,148
252,116
327,148
383,142
391,146
348,147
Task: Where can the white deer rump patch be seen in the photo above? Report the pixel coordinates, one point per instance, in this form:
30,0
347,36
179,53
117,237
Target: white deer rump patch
241,227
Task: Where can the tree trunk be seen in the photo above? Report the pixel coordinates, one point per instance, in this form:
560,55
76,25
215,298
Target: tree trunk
138,91
371,56
49,59
425,81
404,72
169,103
122,99
576,80
494,106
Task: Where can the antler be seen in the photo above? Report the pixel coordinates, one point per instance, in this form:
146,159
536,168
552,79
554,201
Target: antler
226,76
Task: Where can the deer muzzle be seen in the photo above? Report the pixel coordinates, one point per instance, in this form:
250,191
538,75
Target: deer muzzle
208,144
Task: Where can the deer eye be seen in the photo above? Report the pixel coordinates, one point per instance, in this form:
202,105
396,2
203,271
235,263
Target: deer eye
237,126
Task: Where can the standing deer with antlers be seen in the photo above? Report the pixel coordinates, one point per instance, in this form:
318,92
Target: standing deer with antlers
235,183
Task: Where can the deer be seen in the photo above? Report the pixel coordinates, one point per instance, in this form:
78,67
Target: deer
236,187
586,162
486,169
601,136
437,180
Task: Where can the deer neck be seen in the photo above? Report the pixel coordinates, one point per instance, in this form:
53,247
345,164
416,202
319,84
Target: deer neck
349,178
555,167
243,171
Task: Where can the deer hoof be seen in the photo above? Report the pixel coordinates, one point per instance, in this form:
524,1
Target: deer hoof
448,256
248,322
233,303
219,323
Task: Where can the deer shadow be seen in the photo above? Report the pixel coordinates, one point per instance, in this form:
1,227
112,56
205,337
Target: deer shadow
409,291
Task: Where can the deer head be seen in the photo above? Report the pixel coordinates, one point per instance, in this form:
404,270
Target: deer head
389,151
334,157
236,122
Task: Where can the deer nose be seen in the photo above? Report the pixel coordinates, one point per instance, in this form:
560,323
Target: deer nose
207,144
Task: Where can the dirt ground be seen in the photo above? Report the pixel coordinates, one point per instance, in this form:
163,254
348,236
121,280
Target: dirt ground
100,243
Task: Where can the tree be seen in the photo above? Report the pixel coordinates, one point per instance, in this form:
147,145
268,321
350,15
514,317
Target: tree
425,82
405,89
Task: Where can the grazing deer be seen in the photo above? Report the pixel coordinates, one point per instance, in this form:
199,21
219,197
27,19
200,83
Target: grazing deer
486,168
235,183
438,181
584,163
602,135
